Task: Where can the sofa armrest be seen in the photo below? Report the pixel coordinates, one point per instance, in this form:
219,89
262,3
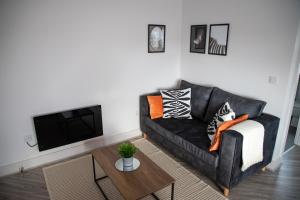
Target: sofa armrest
144,110
270,124
230,153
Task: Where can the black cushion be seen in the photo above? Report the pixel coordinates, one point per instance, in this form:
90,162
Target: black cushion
189,134
240,105
199,99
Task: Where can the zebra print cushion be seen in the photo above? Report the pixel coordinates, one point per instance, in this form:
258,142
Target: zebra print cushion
177,103
225,113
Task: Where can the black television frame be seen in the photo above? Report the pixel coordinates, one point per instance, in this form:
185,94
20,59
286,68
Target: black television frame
59,125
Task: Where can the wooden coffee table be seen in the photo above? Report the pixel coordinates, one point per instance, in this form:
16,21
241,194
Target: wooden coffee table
144,181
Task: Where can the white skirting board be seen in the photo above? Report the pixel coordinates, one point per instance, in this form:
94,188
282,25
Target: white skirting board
61,153
275,164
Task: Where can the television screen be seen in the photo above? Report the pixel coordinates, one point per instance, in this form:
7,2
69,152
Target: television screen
62,128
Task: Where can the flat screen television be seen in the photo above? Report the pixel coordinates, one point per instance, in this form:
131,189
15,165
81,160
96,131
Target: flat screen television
66,127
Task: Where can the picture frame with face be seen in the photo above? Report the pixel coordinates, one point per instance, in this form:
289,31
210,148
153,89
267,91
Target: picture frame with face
156,38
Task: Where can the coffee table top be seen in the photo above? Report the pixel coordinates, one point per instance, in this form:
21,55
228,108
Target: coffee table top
147,179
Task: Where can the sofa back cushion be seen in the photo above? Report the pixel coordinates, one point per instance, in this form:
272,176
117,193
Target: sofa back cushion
240,105
199,99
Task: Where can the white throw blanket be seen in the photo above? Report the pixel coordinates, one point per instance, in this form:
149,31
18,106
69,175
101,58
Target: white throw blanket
253,140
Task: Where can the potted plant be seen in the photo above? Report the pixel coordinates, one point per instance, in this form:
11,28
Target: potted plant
126,151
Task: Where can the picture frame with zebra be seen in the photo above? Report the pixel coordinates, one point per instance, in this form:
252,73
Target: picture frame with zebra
218,39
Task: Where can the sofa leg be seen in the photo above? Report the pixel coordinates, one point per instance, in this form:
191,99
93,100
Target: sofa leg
226,192
145,136
264,169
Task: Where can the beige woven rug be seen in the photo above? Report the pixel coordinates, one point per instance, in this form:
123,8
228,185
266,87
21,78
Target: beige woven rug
73,180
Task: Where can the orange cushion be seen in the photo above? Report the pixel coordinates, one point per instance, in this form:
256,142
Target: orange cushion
156,106
223,127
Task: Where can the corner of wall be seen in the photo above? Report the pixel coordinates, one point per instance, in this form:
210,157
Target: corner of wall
179,72
290,95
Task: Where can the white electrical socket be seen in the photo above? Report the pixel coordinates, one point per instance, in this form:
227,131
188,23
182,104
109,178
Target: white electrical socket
28,138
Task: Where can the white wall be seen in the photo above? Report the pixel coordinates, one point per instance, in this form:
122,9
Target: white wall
58,55
261,44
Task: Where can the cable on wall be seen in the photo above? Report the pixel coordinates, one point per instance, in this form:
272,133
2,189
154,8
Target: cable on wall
31,145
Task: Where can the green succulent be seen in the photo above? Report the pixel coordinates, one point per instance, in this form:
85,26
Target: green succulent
126,150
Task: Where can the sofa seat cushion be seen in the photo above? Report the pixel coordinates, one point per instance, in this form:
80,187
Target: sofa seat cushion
240,105
189,134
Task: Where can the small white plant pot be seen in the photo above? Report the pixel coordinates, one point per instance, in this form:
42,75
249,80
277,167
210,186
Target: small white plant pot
128,162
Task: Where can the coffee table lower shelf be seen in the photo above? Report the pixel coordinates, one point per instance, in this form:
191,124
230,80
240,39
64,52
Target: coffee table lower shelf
104,195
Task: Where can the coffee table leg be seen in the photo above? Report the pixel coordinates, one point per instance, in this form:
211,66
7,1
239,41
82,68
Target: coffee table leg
94,171
97,179
155,197
172,191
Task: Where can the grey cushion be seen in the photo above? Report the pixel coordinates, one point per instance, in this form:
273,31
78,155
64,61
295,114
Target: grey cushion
240,105
199,99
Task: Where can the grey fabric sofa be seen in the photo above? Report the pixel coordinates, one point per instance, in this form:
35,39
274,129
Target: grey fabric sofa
187,138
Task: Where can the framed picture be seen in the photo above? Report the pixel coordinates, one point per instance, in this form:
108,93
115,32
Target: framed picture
218,39
156,38
198,38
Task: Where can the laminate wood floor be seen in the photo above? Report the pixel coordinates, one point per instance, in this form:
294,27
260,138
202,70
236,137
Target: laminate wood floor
284,184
